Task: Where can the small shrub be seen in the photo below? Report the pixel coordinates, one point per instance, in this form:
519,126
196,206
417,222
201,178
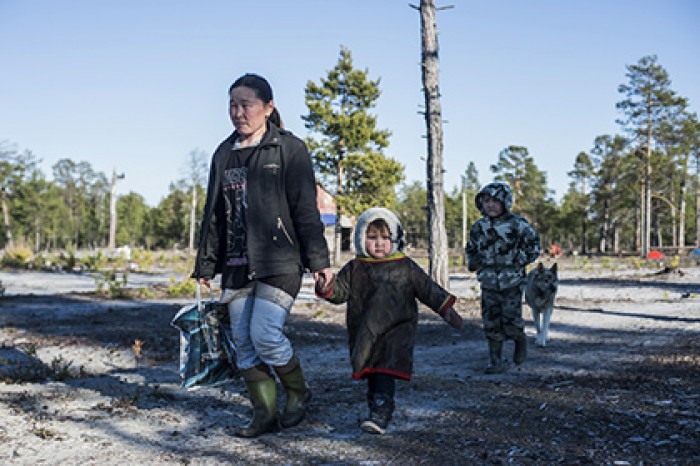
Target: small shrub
183,289
109,284
18,255
60,369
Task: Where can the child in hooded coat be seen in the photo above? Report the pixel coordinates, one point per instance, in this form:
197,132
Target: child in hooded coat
381,287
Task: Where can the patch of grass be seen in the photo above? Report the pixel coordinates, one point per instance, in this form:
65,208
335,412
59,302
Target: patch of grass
45,433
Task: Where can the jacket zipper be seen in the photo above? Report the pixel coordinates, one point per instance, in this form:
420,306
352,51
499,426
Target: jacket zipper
280,225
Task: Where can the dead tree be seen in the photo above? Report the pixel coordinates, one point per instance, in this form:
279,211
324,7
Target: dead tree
437,236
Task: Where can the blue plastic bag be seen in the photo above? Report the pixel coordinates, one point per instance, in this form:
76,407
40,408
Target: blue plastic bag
207,352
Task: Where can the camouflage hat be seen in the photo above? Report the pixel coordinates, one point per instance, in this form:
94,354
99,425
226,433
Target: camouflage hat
497,190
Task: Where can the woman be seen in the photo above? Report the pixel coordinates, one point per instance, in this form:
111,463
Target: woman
261,230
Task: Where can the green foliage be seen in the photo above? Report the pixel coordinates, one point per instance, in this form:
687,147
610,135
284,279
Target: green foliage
185,288
112,283
411,211
370,180
18,255
349,154
132,220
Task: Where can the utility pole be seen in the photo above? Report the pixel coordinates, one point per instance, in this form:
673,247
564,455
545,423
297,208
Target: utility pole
338,237
437,236
113,209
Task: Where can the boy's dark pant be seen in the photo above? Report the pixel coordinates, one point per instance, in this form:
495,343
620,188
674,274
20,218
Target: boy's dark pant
502,313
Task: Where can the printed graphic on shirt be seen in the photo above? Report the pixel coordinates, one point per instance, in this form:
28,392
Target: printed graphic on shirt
236,201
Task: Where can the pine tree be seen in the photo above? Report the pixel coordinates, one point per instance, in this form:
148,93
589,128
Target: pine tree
349,154
649,102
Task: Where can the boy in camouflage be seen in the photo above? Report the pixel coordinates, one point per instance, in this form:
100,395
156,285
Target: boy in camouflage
500,245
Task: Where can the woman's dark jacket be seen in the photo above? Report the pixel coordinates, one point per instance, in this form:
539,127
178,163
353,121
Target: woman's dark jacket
284,228
382,311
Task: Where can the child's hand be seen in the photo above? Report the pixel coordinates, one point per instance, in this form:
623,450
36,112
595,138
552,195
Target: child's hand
324,284
452,318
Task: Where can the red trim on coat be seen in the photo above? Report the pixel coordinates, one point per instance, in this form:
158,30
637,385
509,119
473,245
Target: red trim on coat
449,302
328,293
377,370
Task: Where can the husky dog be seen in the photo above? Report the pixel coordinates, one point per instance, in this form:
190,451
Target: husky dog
540,291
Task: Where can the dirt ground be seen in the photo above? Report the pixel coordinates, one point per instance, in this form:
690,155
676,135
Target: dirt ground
619,383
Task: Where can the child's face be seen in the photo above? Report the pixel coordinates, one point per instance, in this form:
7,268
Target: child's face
492,206
377,242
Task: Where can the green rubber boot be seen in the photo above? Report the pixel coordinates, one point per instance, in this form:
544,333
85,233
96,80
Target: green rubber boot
495,362
298,393
262,390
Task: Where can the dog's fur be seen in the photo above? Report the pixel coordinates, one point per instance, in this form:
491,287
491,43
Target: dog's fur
540,292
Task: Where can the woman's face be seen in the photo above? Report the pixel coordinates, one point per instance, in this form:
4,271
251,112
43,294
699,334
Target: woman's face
248,113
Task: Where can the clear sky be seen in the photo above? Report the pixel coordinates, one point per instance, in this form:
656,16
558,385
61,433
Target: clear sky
136,85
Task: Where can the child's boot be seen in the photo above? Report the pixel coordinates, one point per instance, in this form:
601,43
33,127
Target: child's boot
520,352
495,362
381,408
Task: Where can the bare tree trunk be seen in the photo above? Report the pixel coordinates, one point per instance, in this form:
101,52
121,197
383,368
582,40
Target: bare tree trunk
437,236
639,229
697,201
647,192
6,219
682,207
338,237
113,210
193,212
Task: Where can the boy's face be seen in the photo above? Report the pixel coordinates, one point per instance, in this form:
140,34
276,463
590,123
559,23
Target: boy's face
492,206
377,242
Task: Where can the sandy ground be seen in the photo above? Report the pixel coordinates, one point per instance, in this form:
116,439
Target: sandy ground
618,384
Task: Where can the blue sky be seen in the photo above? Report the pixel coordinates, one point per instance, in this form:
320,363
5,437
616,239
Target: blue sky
135,85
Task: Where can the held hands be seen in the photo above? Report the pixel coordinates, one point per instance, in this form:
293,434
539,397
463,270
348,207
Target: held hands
452,318
206,282
324,282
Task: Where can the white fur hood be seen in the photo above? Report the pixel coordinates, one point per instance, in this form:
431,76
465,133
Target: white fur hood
398,242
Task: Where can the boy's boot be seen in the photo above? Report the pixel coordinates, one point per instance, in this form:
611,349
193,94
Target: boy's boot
381,407
298,393
520,352
262,390
495,363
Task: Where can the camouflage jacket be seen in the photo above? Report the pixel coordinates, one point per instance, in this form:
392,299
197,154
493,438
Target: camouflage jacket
500,248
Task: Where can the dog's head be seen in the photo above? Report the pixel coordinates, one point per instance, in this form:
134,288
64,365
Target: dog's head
546,279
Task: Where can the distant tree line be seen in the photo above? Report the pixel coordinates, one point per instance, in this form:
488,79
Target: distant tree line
629,192
72,209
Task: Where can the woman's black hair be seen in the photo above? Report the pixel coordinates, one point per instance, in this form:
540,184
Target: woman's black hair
263,91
